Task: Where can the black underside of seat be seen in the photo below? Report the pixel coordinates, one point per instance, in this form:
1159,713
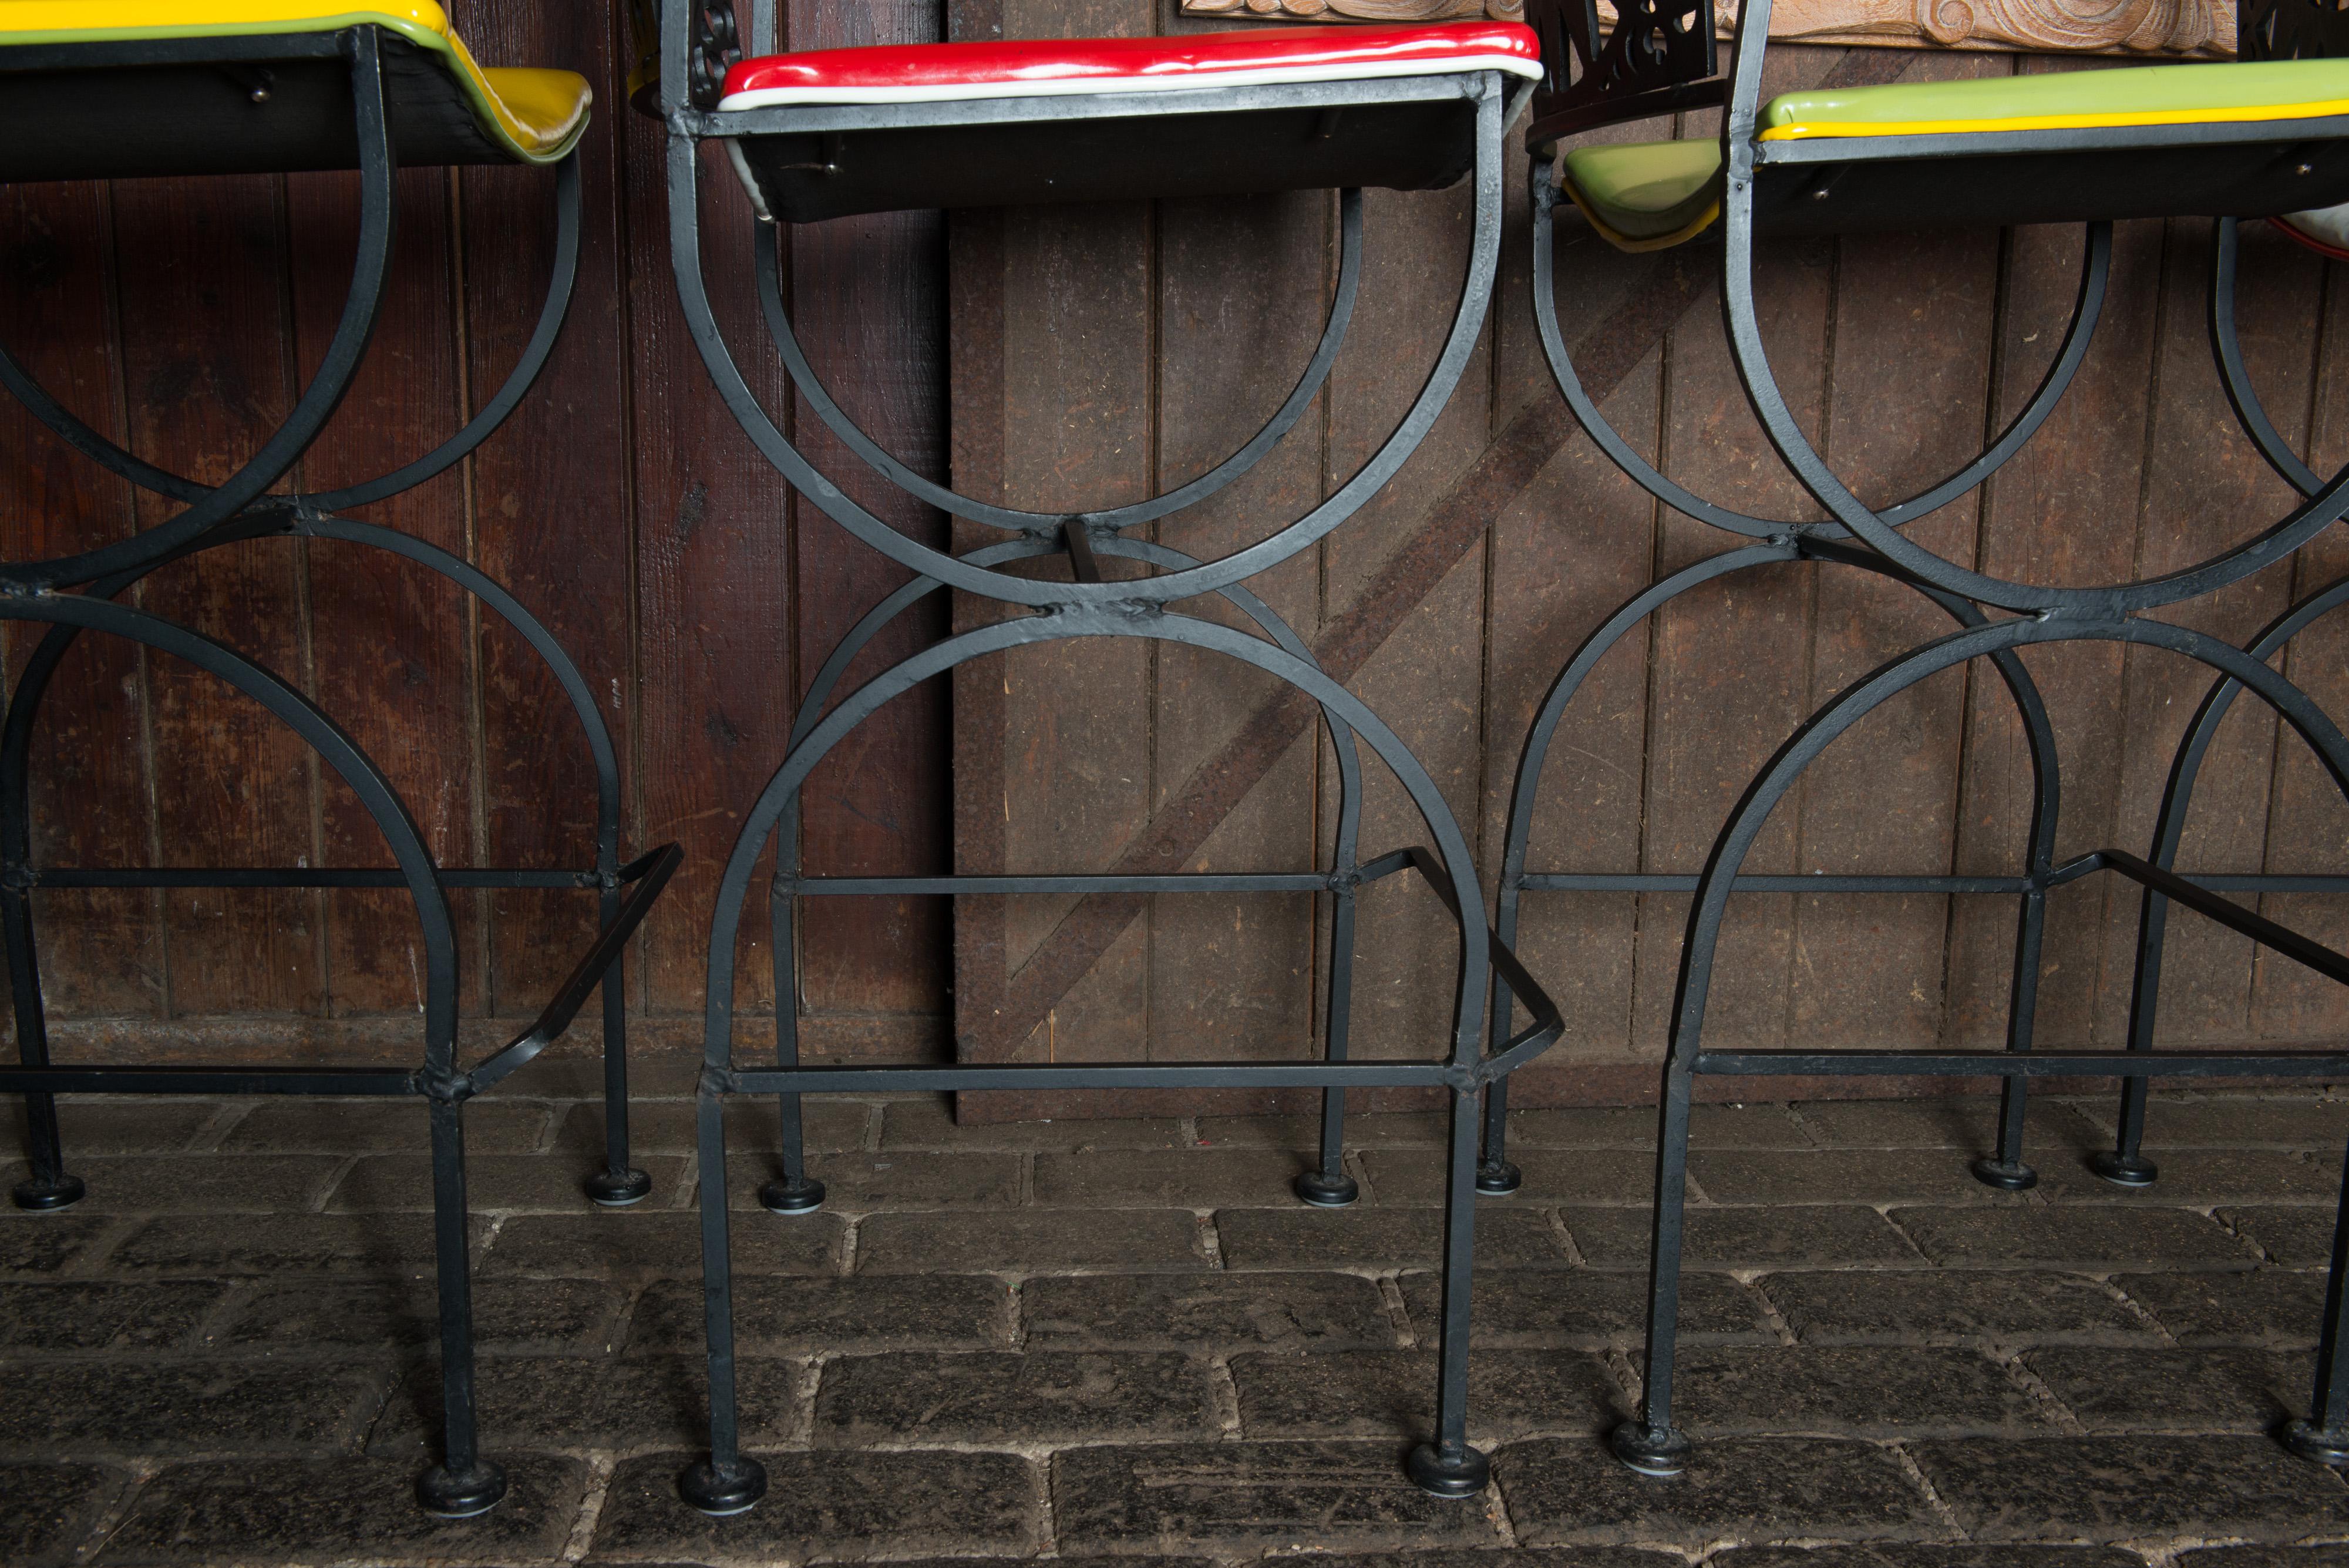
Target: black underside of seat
106,121
2236,179
1411,146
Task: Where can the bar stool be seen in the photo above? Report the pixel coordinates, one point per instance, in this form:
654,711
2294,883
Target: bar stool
2264,137
177,88
834,134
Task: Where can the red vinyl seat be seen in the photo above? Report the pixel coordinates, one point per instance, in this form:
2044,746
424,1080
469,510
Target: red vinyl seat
1038,67
842,131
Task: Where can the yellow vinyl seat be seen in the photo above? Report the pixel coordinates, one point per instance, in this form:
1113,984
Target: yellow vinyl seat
102,88
2213,140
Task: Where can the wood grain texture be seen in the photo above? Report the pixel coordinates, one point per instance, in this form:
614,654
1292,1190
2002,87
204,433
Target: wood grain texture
1451,603
619,478
208,371
92,791
393,638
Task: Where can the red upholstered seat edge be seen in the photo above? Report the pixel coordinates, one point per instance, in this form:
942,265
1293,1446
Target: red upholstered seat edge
1052,67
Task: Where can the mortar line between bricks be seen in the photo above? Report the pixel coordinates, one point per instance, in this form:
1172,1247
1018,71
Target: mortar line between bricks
1918,1478
334,1183
1565,1238
2137,1309
1223,1395
207,1137
2024,1377
850,1234
111,1519
94,1263
601,1466
1389,1288
1751,1279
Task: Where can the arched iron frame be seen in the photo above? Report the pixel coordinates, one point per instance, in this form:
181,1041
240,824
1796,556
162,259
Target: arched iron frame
242,508
1857,535
726,1481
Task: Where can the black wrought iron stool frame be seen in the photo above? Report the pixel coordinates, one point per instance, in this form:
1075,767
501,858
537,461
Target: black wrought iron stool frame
240,509
1872,539
692,51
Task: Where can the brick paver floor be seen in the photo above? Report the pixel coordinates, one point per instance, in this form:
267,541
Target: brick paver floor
1077,1338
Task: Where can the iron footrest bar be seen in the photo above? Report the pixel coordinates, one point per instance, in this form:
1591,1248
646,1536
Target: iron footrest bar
2033,1063
1674,882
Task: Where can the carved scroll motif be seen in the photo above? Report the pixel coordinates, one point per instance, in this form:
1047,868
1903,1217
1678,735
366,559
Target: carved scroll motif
2203,29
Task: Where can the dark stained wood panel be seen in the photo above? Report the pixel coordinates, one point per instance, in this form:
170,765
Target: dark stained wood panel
91,790
1452,600
620,504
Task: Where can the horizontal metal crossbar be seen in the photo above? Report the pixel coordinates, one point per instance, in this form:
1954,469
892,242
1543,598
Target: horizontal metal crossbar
2090,138
2031,1064
1178,882
1647,882
273,877
208,1080
1082,1076
1155,882
510,877
650,874
801,120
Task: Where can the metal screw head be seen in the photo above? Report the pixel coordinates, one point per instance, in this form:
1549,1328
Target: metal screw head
2305,169
1820,194
260,95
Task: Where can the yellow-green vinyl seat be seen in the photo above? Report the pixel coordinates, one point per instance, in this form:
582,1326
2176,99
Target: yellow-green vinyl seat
107,88
2245,140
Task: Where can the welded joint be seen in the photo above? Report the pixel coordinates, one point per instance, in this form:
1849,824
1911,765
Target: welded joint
714,1079
443,1084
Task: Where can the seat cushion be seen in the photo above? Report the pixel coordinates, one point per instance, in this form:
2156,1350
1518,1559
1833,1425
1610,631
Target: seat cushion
534,116
1645,195
1061,66
2150,95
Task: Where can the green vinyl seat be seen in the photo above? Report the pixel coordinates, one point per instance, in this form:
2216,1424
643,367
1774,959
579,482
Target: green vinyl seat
2246,139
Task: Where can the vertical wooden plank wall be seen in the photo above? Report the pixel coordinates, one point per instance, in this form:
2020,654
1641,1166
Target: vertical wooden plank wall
620,502
1451,602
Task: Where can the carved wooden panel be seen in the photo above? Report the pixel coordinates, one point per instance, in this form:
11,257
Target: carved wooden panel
2201,29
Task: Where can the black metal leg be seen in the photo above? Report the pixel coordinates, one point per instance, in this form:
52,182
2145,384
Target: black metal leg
1648,1442
463,1484
2123,1164
1329,1186
2324,1436
2006,1170
722,1481
49,1187
1448,1467
796,1191
1496,1177
620,1183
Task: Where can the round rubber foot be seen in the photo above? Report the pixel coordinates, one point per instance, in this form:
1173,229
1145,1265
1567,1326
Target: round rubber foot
2015,1177
42,1197
1462,1474
1325,1192
1659,1451
2326,1445
805,1196
1498,1178
2124,1169
454,1494
618,1189
718,1493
